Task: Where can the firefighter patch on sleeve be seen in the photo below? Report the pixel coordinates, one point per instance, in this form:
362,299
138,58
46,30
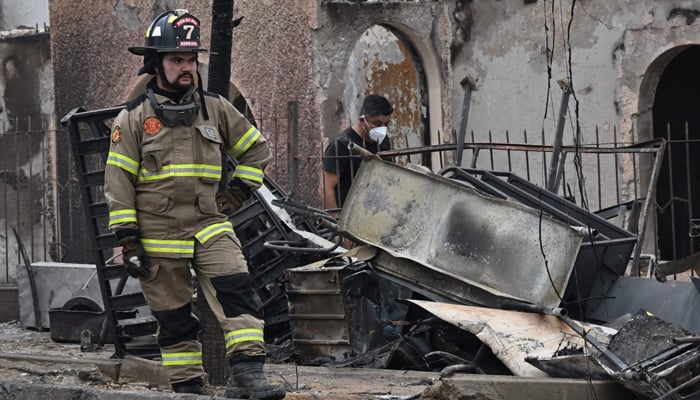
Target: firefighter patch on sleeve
116,135
152,125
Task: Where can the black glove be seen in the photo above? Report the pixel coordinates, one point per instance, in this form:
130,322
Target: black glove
233,198
133,256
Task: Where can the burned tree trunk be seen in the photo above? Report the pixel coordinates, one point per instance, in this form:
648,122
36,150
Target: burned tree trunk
221,43
213,346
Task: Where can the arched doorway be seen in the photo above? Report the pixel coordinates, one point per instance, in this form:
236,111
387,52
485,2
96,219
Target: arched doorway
676,118
384,62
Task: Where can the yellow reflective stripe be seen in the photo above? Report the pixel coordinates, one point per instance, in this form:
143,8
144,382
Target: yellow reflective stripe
244,335
191,358
244,142
190,170
123,162
168,246
120,216
250,173
213,230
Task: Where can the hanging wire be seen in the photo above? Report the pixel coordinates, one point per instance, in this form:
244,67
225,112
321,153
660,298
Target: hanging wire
577,140
549,55
578,166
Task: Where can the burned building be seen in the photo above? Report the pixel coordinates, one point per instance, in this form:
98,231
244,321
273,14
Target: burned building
593,101
486,71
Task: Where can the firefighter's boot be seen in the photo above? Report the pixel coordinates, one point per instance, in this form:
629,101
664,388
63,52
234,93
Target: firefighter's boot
247,380
195,386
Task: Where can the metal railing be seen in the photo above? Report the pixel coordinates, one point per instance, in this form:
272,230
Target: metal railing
616,180
612,178
26,196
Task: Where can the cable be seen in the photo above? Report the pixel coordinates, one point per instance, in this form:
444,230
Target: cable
544,255
577,142
579,174
549,54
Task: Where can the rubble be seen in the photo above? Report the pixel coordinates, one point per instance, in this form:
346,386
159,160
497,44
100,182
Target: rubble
435,246
33,366
490,286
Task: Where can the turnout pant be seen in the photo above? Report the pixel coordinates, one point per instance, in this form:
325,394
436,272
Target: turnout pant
222,273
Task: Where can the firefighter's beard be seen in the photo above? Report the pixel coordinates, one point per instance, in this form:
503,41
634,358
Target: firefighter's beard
180,86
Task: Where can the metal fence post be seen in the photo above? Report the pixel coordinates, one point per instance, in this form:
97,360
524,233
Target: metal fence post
554,170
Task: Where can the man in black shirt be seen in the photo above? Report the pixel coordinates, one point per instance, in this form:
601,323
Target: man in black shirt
339,165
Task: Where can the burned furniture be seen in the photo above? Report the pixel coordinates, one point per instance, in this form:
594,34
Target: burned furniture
659,360
651,357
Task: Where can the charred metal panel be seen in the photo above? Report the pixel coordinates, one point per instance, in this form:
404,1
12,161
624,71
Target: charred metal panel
455,231
372,309
512,335
572,366
603,257
320,331
660,363
436,285
339,310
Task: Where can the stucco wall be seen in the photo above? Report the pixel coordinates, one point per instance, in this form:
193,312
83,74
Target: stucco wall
271,67
425,29
614,52
26,136
612,45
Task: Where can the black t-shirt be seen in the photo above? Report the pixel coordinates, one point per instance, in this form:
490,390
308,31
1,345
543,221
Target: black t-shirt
338,160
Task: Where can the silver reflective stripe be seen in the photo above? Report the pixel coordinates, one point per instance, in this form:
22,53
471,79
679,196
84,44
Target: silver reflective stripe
123,162
245,142
168,246
191,358
191,170
244,335
121,216
213,230
250,173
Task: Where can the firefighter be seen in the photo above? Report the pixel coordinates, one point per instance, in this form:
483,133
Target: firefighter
161,181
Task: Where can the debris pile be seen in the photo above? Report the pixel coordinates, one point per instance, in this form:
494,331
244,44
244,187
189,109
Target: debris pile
486,285
464,270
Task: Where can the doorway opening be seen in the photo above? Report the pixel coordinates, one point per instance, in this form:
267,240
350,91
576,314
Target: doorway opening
676,119
384,62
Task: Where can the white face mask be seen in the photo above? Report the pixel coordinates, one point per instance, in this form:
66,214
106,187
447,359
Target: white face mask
378,134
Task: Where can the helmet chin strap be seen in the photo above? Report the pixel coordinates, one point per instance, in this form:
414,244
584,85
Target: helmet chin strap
200,90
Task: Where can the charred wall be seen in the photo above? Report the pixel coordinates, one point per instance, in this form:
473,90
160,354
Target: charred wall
93,69
300,50
26,190
272,68
415,77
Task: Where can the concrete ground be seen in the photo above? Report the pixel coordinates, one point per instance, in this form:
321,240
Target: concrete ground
32,366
